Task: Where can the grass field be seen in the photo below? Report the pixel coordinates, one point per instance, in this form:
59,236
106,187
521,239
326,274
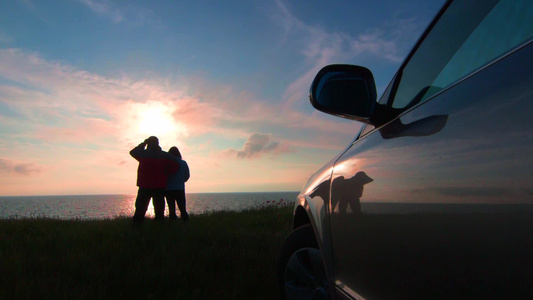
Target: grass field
222,255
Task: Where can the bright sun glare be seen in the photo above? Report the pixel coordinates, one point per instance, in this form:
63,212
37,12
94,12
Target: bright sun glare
156,119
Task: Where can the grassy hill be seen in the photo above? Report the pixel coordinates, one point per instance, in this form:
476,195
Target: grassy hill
221,255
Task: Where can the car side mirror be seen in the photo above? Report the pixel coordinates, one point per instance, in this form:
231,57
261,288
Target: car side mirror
346,91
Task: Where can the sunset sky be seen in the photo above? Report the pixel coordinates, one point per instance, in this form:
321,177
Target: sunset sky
83,82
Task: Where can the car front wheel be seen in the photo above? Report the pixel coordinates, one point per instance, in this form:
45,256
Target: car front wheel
301,273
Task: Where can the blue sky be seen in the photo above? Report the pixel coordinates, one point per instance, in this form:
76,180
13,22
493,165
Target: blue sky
82,82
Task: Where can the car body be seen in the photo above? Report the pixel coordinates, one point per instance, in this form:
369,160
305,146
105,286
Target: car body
434,197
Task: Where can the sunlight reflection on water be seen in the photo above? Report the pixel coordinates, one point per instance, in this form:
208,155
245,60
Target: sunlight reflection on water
111,206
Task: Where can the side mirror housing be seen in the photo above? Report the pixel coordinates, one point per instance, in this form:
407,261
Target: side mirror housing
346,91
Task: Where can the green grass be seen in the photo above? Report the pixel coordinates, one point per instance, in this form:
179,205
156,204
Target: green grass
221,255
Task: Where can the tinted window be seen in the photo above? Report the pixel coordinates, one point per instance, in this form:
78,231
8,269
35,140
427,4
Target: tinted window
469,35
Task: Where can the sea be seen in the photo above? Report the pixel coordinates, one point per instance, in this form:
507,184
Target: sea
95,207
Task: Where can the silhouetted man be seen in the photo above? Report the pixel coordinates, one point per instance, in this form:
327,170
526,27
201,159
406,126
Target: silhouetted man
154,167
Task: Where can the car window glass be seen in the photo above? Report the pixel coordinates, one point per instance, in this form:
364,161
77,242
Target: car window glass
386,94
468,36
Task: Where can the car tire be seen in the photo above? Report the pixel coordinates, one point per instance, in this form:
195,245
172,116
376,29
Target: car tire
300,270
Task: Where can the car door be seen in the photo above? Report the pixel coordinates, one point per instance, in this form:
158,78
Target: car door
437,203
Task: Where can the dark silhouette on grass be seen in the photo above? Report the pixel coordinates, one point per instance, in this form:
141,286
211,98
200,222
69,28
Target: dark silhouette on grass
155,166
175,191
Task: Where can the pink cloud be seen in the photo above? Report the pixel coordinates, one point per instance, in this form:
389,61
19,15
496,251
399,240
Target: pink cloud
82,131
76,97
200,117
85,122
8,166
258,145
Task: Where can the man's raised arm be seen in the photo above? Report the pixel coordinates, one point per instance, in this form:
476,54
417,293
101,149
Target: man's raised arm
137,151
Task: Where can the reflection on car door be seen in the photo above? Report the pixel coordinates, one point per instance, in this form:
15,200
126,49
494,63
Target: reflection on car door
447,210
436,204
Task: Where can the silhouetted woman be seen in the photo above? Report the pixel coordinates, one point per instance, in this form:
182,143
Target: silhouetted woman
175,191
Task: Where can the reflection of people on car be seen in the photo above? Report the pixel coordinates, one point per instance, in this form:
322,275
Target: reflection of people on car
321,190
348,192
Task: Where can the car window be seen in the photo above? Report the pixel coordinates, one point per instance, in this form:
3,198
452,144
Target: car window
387,92
463,40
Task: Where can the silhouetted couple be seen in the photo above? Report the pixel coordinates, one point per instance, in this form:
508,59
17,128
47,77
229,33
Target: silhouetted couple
160,174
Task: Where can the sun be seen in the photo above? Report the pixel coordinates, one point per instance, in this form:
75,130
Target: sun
156,119
139,120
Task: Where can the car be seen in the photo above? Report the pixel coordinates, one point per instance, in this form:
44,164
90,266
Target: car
433,199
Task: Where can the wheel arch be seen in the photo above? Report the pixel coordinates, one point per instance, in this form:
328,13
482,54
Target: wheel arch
300,218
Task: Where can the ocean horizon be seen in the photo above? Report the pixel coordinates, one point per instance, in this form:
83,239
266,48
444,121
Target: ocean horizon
87,207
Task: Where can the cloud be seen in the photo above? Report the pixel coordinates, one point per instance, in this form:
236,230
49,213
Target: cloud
11,167
257,145
58,102
202,114
81,113
128,13
83,131
75,118
103,8
390,41
320,47
376,43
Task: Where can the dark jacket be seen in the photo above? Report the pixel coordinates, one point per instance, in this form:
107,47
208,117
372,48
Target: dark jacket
154,167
